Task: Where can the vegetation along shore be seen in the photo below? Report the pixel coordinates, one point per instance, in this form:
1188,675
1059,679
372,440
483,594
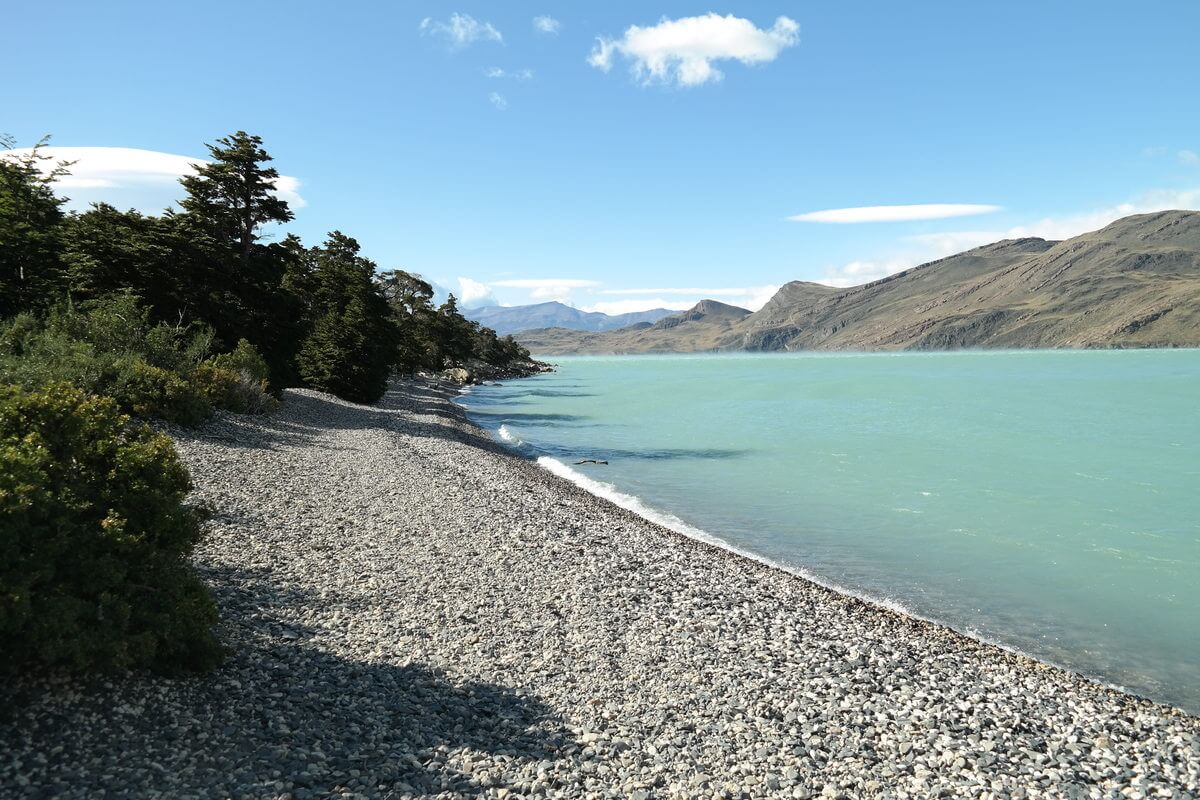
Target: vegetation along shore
250,548
455,621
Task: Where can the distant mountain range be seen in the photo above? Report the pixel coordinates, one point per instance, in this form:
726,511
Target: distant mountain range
512,319
1135,283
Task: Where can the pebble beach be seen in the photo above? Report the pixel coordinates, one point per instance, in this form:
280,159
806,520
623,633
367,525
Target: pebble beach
410,610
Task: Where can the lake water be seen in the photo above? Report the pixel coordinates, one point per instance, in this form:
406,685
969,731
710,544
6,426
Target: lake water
1045,500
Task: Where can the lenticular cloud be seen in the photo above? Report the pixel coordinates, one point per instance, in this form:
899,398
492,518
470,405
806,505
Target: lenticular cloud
682,51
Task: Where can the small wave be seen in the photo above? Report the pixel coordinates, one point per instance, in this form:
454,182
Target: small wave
632,503
508,436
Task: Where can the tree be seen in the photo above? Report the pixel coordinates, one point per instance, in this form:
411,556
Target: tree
31,272
235,194
107,250
456,334
352,347
237,281
410,299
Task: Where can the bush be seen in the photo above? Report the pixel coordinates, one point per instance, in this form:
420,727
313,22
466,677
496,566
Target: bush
235,391
237,381
158,371
94,540
244,359
153,392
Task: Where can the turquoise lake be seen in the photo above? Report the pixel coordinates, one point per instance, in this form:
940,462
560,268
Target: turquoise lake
1048,501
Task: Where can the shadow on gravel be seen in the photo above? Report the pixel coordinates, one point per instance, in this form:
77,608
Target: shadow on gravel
282,715
305,418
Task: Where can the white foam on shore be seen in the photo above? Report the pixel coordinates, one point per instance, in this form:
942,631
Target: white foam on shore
635,505
508,436
632,503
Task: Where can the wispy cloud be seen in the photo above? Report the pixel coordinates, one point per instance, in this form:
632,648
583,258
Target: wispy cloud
752,297
148,179
895,213
472,293
1064,226
548,288
856,273
1189,157
682,51
515,74
926,247
729,291
461,30
547,25
615,307
498,100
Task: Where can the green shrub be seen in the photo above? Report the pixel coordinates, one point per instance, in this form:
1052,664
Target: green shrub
94,540
237,381
153,392
158,371
245,359
234,391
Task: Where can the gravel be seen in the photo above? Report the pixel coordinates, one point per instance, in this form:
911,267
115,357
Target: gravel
412,611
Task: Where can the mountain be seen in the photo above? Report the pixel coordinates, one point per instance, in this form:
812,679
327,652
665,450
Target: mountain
511,319
1134,283
701,327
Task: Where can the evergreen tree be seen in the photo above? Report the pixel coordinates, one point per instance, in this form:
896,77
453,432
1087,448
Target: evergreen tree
352,347
456,334
235,194
236,280
31,270
107,251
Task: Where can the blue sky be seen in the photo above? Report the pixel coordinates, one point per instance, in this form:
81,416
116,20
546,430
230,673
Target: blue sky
617,167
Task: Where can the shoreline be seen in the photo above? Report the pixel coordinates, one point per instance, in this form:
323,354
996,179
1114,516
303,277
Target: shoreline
415,591
673,524
667,520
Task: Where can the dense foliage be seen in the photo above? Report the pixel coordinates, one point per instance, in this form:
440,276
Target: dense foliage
319,316
109,313
151,369
95,539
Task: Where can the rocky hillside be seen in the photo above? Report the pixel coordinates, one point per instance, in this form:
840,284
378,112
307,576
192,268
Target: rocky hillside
1134,283
702,327
512,319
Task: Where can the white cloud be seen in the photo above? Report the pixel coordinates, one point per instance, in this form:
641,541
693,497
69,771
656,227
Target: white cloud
682,51
690,290
461,30
548,25
948,243
498,100
548,288
472,293
537,283
751,297
1064,227
516,74
895,213
629,306
932,246
1189,157
856,273
145,179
